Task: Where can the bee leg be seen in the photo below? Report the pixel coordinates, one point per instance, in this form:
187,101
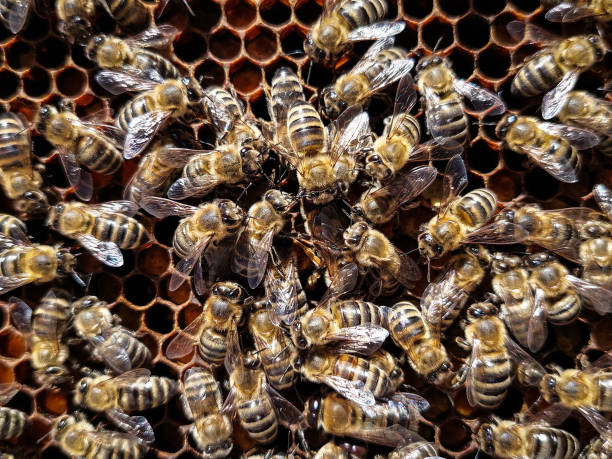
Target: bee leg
463,343
458,379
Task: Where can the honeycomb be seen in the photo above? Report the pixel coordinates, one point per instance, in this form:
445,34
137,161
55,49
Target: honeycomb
242,43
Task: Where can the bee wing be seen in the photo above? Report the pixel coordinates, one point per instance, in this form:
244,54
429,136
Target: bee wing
217,258
555,99
113,353
7,242
562,171
455,180
7,392
157,36
280,289
599,297
79,179
405,98
107,252
258,258
603,196
521,357
413,401
343,281
598,421
376,31
438,148
162,208
361,339
115,207
581,139
228,408
198,403
142,130
348,132
351,390
520,30
440,298
497,232
475,364
568,12
287,412
482,99
10,283
110,437
537,330
21,314
126,378
16,13
390,74
184,267
409,270
233,356
117,82
135,425
183,188
182,343
391,436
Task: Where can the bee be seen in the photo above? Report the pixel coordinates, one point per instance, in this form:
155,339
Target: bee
286,91
225,304
443,95
13,228
399,142
379,205
12,421
444,299
508,439
389,364
20,181
265,219
416,450
75,18
389,422
212,429
116,346
345,22
129,15
331,451
78,143
78,438
46,328
372,250
14,14
381,65
284,293
598,448
421,343
111,52
103,229
203,231
159,101
274,349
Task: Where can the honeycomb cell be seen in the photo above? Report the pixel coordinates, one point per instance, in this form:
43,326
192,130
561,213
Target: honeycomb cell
417,9
139,289
454,7
207,14
71,81
22,401
130,318
473,31
52,401
462,63
505,184
513,399
260,43
437,34
292,42
240,13
105,286
482,157
224,44
178,296
474,182
526,6
541,185
454,435
190,46
308,12
36,28
52,52
245,76
37,82
9,84
52,452
12,344
19,55
494,62
259,107
6,373
160,318
128,264
600,334
489,7
210,74
274,12
408,38
499,30
154,260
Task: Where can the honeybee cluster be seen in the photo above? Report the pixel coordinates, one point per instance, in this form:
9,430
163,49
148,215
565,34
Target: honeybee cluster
323,277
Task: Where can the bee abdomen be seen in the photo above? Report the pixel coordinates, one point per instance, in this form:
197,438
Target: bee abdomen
358,13
564,310
491,381
517,318
137,352
124,231
14,143
258,418
128,13
114,448
537,75
476,207
12,423
305,128
11,261
184,239
203,382
98,156
406,325
353,313
285,89
410,129
146,393
604,387
447,119
279,367
548,442
51,318
13,227
212,346
146,61
357,369
140,105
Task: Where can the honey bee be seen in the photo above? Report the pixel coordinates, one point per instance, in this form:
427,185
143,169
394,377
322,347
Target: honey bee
381,65
265,219
274,349
390,365
78,438
13,228
158,101
417,450
379,205
345,22
116,346
20,181
203,231
75,18
46,327
135,390
103,229
78,143
444,299
331,451
12,421
211,430
14,14
598,448
508,439
284,293
575,10
286,91
225,304
131,54
443,95
388,422
399,142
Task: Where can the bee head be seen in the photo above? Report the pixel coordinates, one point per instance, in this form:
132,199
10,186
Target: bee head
79,28
194,91
599,46
480,310
333,104
428,246
353,234
316,53
376,167
33,203
231,215
66,261
106,51
429,61
279,200
548,387
298,337
81,390
85,303
54,375
312,410
250,160
504,124
485,438
62,423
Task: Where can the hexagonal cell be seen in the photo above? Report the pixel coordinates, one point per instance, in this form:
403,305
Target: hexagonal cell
12,344
105,286
454,7
482,157
52,52
292,42
37,82
224,44
52,401
499,30
493,62
417,9
505,184
526,6
188,314
600,334
462,62
245,76
178,296
160,318
489,7
36,28
19,55
207,14
473,31
80,59
308,12
408,38
9,84
128,264
154,260
474,182
6,373
454,435
210,74
260,43
89,104
240,13
130,318
139,289
259,107
437,34
71,81
190,46
541,185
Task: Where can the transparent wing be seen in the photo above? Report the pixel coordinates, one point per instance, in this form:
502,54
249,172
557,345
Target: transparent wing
581,139
482,99
282,295
409,270
10,283
351,390
440,298
524,362
349,130
184,267
455,180
376,31
476,364
561,170
177,157
391,436
405,98
408,186
597,420
553,415
157,36
113,353
78,178
599,297
288,414
411,400
520,30
142,130
118,82
110,437
391,73
497,232
603,196
16,13
107,252
7,392
121,207
343,281
183,188
361,339
182,344
438,148
555,99
134,425
568,12
199,403
21,314
537,330
162,208
258,258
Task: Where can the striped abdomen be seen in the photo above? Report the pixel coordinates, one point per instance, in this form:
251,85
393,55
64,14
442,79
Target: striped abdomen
212,345
351,313
285,89
146,393
605,146
221,106
358,13
447,119
137,352
597,449
564,310
305,129
416,450
113,447
124,231
128,13
151,178
355,368
202,382
406,325
516,316
384,59
14,144
410,129
387,413
139,105
146,61
490,381
551,443
258,418
13,227
51,317
538,75
185,238
277,359
13,261
604,391
475,208
12,423
98,155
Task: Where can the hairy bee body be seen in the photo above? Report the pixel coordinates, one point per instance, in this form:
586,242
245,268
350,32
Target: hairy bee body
137,352
12,423
416,450
543,70
50,319
217,98
38,262
305,129
598,448
75,18
130,14
12,227
596,259
141,104
350,313
576,388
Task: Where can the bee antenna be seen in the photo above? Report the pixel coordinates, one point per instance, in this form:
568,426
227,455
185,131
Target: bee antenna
78,279
438,43
309,70
428,269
